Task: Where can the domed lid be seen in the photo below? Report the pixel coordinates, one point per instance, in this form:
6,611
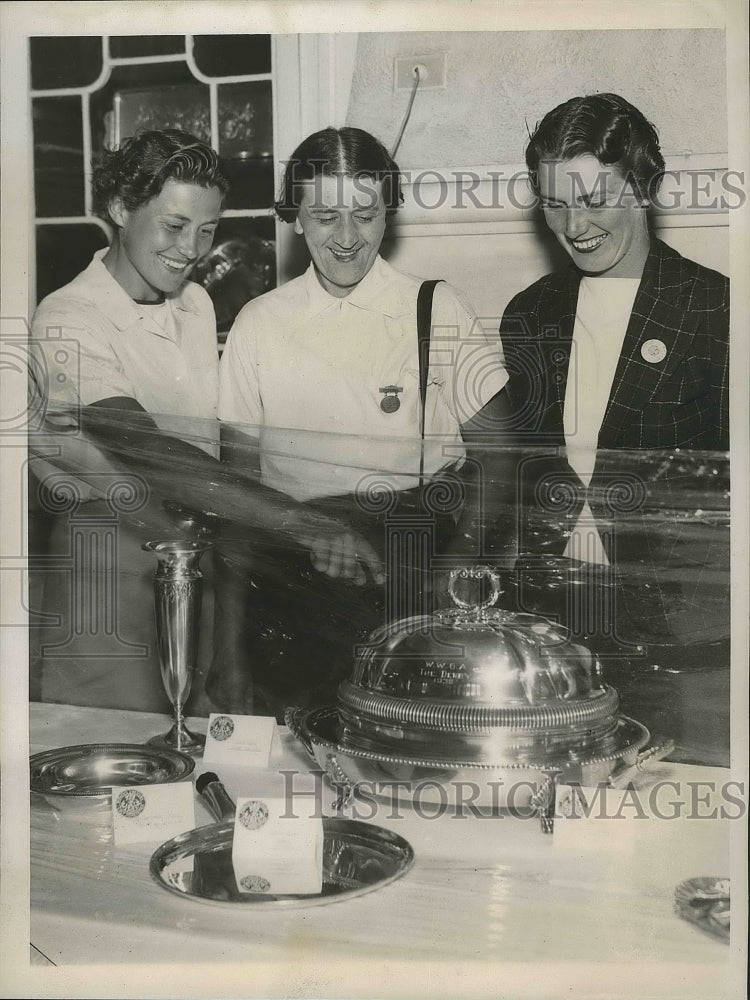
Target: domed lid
479,655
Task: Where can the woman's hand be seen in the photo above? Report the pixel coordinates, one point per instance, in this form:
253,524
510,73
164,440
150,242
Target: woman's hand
335,548
338,551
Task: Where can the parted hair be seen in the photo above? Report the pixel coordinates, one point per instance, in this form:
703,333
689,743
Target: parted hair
139,169
332,152
605,126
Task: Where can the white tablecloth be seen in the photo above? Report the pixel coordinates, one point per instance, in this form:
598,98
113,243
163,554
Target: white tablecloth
491,907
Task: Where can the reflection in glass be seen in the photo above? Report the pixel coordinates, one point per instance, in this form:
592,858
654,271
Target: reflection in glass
245,127
286,634
246,140
240,267
153,76
183,107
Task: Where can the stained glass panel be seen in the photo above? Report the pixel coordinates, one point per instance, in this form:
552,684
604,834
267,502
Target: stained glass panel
232,55
58,156
131,46
65,62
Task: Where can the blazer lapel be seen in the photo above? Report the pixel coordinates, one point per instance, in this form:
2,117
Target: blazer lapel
557,325
658,317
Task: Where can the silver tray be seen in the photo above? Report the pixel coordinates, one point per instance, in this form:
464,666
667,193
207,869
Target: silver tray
93,768
357,858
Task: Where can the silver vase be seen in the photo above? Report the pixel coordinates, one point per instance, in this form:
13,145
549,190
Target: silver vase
178,587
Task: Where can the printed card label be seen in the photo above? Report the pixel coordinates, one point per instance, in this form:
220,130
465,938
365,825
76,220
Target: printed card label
152,813
274,852
246,739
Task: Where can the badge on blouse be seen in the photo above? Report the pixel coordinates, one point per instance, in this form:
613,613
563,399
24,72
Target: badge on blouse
390,401
653,351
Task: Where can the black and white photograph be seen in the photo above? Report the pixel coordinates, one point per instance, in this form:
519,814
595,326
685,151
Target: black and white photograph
375,447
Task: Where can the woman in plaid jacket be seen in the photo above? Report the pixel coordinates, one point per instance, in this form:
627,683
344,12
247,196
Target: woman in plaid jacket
626,350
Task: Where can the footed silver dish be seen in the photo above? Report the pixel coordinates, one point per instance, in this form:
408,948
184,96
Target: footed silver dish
474,696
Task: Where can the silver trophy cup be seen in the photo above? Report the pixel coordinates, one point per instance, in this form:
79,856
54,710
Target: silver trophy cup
178,586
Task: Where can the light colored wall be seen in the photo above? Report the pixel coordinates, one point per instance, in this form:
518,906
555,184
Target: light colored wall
499,81
490,267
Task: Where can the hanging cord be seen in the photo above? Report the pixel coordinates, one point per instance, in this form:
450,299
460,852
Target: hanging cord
399,137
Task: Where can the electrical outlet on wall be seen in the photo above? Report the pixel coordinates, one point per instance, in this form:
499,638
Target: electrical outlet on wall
432,71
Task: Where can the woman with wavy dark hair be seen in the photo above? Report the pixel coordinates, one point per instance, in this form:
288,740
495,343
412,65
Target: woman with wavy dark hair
146,335
606,127
626,349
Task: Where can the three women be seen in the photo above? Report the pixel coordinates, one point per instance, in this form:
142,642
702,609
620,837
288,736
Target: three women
627,350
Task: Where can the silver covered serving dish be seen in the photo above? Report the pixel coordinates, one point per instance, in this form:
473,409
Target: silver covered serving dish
470,691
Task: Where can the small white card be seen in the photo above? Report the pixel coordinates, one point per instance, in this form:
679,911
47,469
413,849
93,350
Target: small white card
274,852
152,813
247,738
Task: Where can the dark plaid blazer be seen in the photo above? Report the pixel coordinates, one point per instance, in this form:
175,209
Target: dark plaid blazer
678,402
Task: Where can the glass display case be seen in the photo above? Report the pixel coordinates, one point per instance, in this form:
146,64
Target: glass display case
276,631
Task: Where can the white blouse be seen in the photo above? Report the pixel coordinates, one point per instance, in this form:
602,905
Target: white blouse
602,315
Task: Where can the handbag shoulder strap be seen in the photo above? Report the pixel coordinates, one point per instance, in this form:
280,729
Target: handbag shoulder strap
424,329
424,325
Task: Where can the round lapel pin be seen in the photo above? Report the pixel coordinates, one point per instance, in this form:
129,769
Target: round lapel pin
654,351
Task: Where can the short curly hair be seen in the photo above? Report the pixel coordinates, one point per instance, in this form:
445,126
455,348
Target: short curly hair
139,169
332,152
605,126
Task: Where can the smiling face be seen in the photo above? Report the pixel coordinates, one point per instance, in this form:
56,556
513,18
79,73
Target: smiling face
160,242
343,222
596,216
